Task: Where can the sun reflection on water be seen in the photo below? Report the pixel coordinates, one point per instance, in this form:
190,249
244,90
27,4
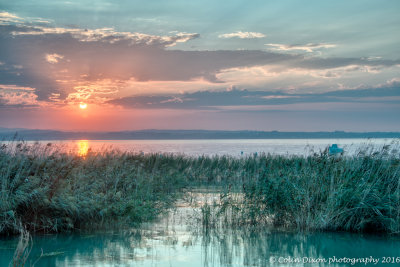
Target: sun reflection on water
83,147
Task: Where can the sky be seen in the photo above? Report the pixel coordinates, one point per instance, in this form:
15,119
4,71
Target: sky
220,65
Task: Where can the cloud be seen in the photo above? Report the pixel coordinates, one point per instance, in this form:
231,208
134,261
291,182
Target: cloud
12,95
11,87
6,17
395,82
53,58
242,35
98,55
214,100
172,100
310,47
108,35
146,61
303,78
55,97
96,92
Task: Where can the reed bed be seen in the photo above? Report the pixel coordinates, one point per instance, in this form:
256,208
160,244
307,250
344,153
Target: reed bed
360,193
50,191
46,190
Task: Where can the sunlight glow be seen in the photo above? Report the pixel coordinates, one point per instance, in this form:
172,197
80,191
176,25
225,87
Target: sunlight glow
83,147
82,105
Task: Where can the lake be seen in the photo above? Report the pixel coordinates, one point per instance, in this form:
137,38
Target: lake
233,147
178,239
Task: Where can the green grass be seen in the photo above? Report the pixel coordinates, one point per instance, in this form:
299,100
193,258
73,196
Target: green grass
45,190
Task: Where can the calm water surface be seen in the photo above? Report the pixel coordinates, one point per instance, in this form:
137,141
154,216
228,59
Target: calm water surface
179,240
236,147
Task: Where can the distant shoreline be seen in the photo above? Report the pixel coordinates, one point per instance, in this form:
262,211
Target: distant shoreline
40,135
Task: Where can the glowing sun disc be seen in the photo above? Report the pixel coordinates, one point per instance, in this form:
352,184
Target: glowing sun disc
82,105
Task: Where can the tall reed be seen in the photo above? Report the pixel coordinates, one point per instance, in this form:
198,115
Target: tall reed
22,250
50,191
318,192
47,190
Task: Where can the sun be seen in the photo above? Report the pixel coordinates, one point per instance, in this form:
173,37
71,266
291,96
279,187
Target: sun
82,105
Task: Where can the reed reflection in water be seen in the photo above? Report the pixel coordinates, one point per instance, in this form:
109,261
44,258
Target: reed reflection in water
179,239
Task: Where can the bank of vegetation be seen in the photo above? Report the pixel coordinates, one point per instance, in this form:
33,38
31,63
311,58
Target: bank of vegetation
43,189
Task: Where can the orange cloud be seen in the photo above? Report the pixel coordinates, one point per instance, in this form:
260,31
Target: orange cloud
53,58
17,95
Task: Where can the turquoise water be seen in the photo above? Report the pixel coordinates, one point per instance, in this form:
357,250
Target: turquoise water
178,239
179,248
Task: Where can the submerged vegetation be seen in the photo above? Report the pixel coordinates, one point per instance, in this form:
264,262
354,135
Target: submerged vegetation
46,190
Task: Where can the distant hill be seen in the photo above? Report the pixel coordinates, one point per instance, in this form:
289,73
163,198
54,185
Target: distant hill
36,135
